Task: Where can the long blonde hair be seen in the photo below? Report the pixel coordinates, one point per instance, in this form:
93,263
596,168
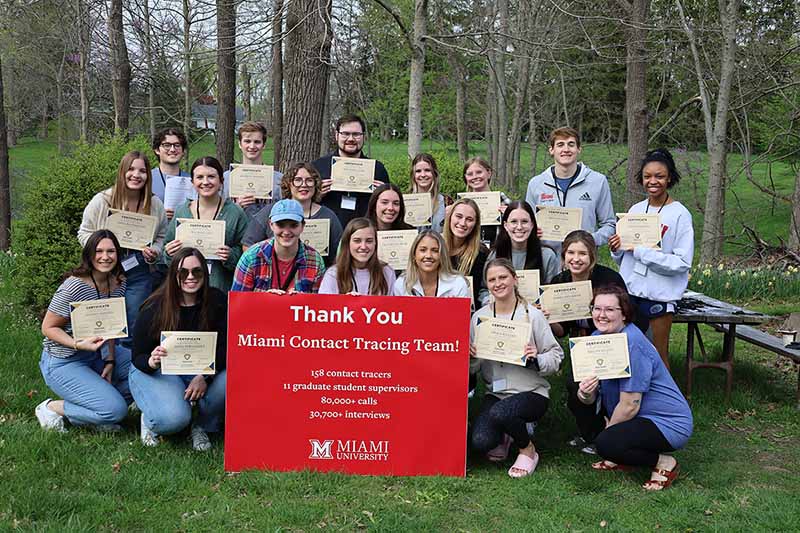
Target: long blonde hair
473,241
427,158
412,272
119,197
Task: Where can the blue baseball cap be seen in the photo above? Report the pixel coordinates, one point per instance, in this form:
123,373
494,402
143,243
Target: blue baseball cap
286,210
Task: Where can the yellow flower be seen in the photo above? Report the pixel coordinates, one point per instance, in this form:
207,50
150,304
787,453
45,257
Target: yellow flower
728,285
707,272
742,273
721,267
699,281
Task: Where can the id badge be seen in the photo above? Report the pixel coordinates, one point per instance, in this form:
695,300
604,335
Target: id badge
349,203
208,265
130,263
640,268
499,385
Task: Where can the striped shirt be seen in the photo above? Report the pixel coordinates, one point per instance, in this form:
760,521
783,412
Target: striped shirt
72,290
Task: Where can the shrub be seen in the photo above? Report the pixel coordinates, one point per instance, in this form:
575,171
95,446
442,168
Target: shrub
732,283
45,236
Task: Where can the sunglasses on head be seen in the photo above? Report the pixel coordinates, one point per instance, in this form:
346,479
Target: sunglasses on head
183,273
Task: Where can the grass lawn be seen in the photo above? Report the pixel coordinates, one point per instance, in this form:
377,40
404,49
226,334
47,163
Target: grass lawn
740,471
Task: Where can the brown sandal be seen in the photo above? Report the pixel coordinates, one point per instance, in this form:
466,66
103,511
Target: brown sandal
661,484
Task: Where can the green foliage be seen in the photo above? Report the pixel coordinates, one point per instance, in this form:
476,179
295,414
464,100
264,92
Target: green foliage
728,282
45,236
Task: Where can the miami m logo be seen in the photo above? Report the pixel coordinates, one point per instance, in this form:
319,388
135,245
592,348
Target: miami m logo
320,450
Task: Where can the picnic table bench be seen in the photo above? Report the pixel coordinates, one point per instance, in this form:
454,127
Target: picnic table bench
734,322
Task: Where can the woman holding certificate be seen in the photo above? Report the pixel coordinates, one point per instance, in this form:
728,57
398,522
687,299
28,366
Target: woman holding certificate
184,303
82,368
358,269
477,177
519,243
425,179
512,359
462,235
642,417
137,217
656,273
386,209
429,272
303,183
211,224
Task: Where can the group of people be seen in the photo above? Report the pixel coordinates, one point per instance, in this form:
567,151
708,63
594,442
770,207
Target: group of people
169,286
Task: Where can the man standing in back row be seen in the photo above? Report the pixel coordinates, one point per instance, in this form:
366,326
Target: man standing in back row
350,133
568,183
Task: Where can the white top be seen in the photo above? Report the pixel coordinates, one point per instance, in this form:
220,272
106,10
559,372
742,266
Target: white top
331,286
660,275
449,287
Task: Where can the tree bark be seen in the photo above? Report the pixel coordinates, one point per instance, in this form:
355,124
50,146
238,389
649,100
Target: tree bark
45,122
533,138
277,83
151,80
325,138
120,69
501,170
247,93
83,78
461,103
794,230
5,175
60,140
636,96
187,73
308,44
226,80
416,75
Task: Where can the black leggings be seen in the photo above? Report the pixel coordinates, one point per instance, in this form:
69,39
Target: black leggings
637,442
508,415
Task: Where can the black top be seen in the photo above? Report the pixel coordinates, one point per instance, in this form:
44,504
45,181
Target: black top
601,277
333,200
476,272
145,341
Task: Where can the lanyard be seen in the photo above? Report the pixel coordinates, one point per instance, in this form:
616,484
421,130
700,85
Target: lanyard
97,288
161,175
355,285
494,310
284,284
647,209
563,203
219,205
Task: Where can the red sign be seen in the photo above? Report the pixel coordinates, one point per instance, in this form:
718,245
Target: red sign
357,384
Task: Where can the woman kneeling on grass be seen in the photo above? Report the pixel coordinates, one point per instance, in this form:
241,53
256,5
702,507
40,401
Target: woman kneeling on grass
644,416
184,302
83,371
517,394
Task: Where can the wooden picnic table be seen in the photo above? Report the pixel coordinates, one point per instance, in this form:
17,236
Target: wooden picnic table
696,308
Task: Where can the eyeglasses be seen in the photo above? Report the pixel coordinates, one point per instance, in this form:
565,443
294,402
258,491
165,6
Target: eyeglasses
183,273
299,182
604,310
353,134
167,146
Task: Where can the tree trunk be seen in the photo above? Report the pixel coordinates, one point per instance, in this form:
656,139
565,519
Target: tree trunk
5,175
277,83
523,78
324,140
83,78
60,108
458,71
308,44
501,170
45,122
636,97
151,80
247,93
794,230
187,73
120,69
416,77
533,138
226,80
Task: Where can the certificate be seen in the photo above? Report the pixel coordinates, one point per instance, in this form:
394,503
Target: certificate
604,356
635,229
352,174
178,189
419,209
189,352
502,340
395,246
557,222
317,234
566,301
251,180
105,318
489,204
134,231
205,235
528,283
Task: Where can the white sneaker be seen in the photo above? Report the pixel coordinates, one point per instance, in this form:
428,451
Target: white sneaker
149,437
200,440
49,419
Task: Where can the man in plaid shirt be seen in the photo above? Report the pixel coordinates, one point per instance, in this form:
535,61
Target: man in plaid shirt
283,263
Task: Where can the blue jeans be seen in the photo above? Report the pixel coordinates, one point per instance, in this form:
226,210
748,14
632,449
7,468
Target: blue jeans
139,285
160,397
88,398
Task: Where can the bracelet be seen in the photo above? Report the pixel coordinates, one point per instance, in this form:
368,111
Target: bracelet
74,345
